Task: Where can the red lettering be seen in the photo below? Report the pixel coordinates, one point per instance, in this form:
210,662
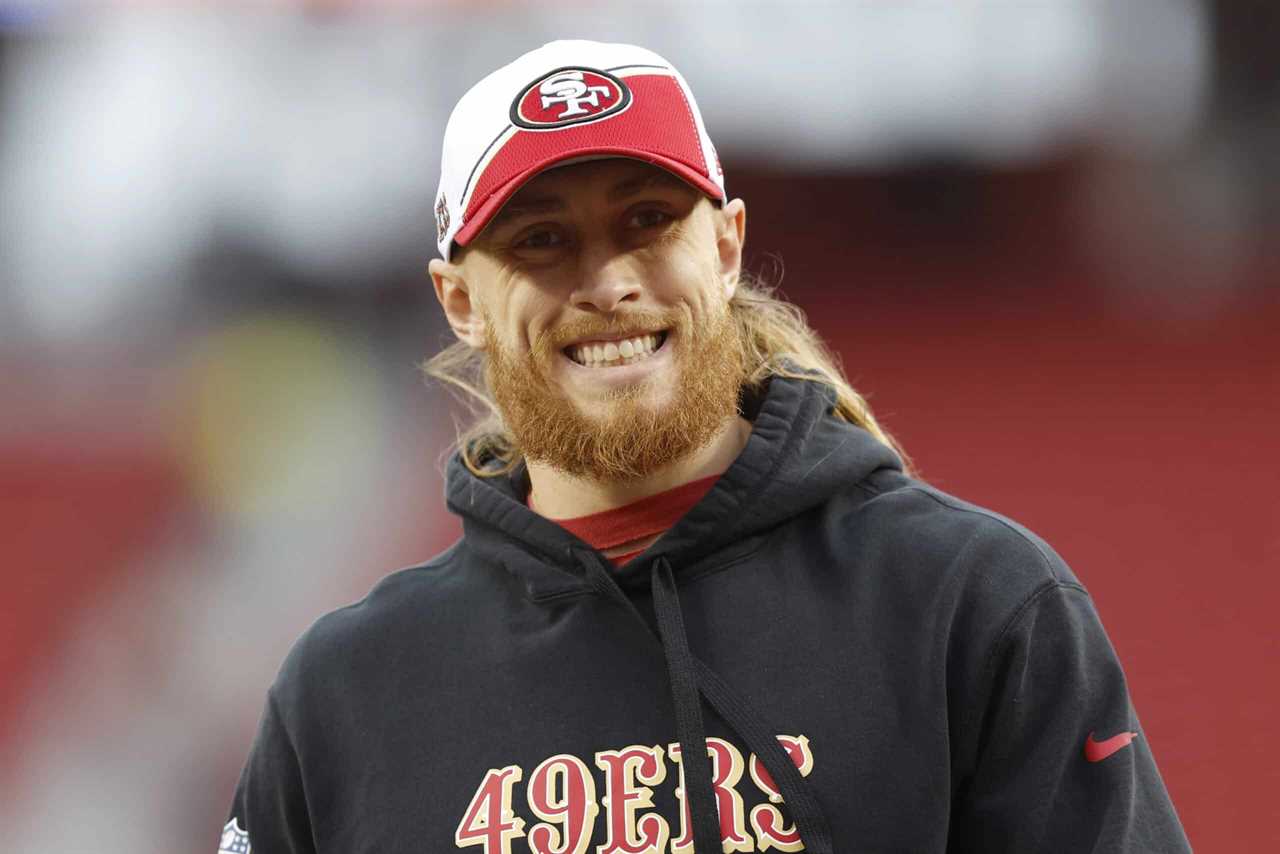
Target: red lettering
489,820
726,771
562,792
766,820
623,797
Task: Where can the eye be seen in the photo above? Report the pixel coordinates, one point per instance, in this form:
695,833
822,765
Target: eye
649,218
539,238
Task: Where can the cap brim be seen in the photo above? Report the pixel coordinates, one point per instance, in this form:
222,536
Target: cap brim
503,194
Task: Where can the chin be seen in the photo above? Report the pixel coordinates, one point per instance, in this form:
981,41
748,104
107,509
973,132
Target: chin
607,412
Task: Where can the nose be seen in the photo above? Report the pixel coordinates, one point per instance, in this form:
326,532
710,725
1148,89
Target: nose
606,279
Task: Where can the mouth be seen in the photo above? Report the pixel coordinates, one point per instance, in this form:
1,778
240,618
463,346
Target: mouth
612,353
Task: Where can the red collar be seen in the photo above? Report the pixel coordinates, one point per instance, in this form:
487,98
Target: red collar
641,519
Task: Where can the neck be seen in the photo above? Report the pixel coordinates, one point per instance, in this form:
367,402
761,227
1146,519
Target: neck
558,495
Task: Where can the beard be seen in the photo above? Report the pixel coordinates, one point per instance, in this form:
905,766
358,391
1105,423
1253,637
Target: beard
624,437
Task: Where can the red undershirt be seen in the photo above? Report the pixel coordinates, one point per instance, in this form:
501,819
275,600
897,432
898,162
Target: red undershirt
634,526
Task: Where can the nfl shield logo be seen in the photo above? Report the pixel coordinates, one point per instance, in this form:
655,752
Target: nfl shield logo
234,840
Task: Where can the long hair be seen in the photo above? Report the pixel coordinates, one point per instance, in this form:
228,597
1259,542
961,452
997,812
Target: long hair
774,334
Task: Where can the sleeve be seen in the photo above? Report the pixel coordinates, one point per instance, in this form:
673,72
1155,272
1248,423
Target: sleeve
1063,764
269,811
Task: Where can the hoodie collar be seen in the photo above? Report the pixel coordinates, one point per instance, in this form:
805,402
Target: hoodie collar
798,453
796,456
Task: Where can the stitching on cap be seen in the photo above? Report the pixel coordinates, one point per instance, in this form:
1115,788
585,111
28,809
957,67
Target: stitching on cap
636,65
696,132
466,187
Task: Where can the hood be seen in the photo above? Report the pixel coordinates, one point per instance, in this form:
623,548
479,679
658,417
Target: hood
797,456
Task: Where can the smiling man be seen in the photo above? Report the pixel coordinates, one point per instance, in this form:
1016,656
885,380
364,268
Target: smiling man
698,604
601,298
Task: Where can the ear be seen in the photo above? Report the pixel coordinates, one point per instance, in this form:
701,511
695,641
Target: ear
731,232
460,310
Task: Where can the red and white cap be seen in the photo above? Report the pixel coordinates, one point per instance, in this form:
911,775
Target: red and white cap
565,101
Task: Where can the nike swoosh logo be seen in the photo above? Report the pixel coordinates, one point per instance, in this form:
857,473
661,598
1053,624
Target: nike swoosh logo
1096,751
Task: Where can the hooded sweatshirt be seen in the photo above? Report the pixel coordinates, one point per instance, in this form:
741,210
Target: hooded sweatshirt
868,665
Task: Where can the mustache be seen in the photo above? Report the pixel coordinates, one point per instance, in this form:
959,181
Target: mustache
614,325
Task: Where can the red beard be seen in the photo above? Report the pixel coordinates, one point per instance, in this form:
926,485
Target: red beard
627,438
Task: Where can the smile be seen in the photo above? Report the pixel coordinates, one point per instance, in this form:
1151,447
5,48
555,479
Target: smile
609,354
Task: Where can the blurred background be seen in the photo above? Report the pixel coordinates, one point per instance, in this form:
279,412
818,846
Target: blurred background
1044,236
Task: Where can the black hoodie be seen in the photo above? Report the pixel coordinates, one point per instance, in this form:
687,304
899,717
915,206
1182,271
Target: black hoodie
917,674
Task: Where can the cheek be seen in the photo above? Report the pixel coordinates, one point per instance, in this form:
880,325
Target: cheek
678,272
699,287
528,317
690,267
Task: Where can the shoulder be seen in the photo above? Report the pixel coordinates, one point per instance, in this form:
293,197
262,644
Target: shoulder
404,608
941,522
931,541
971,574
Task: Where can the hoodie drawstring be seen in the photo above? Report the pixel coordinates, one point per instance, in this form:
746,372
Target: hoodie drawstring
690,677
810,820
684,690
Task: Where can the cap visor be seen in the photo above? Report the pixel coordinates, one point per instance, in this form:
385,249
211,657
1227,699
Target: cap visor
490,207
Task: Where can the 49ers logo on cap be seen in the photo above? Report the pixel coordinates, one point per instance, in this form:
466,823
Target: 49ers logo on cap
569,96
442,218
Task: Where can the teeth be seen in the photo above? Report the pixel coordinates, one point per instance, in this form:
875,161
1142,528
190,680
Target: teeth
614,352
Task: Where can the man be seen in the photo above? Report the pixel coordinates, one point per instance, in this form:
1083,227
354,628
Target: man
697,605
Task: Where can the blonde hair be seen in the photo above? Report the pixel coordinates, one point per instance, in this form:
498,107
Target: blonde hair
775,337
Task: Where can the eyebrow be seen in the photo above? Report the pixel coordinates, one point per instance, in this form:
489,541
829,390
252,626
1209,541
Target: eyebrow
548,204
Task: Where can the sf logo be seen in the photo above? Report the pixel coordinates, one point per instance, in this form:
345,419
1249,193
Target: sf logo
569,88
569,96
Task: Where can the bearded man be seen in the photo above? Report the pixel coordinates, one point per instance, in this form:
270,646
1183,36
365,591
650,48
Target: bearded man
698,604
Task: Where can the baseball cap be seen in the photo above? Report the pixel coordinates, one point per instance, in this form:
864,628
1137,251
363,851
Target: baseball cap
566,101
